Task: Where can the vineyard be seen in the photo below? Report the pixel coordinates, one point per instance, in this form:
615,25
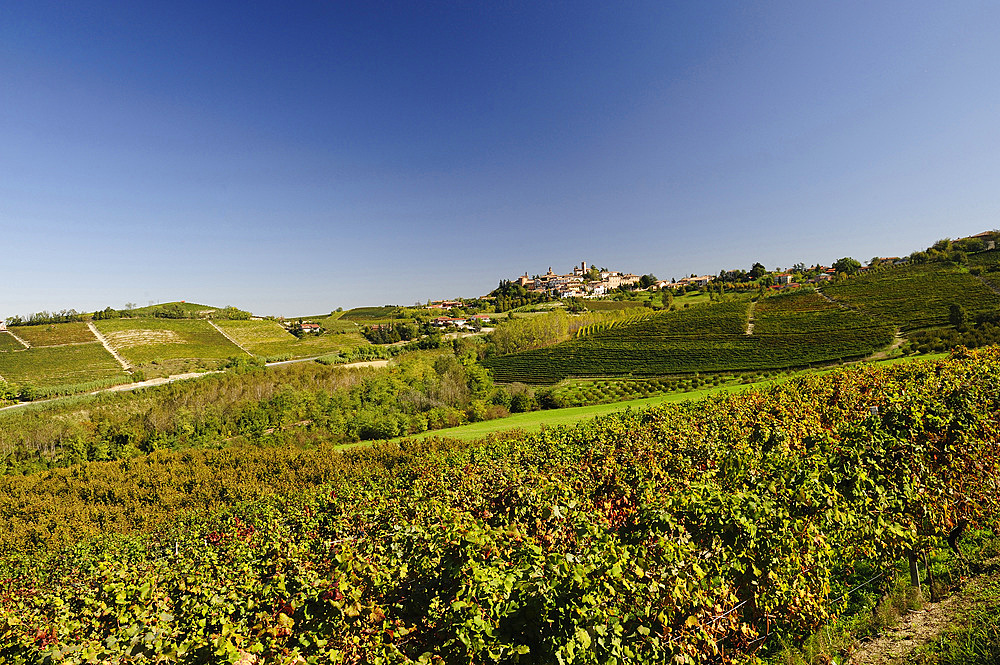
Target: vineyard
270,339
688,533
915,296
607,305
613,323
9,343
54,334
161,347
793,330
584,392
368,314
61,366
989,258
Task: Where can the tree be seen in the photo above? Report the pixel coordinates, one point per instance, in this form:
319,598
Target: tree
757,270
958,317
847,265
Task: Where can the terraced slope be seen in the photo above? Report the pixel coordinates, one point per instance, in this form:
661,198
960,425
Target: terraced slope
790,331
915,296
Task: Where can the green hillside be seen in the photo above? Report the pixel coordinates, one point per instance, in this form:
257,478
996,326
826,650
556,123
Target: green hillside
63,358
791,330
62,366
915,296
54,334
189,310
269,339
8,343
370,313
161,347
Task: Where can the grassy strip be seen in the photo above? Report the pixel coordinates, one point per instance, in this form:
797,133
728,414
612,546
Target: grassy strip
973,637
535,420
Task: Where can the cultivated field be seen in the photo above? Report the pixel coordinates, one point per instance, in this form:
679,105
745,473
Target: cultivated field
369,313
790,331
54,334
8,343
988,258
60,365
915,296
160,347
269,339
606,305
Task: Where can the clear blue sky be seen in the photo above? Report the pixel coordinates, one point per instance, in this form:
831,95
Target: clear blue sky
293,157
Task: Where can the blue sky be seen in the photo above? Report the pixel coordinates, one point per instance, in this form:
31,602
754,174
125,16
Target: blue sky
290,158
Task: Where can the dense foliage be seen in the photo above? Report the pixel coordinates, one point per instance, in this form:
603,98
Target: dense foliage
688,533
424,391
41,318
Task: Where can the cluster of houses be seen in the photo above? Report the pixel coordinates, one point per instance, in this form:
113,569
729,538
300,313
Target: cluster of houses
460,322
583,282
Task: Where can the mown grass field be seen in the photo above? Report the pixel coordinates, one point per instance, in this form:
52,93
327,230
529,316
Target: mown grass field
54,334
269,339
161,347
8,343
915,296
60,365
790,331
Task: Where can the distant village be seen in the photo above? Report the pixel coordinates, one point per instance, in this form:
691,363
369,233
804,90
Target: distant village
586,281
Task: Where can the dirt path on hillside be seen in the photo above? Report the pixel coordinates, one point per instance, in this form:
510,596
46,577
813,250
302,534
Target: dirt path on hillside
753,303
918,627
988,285
102,340
897,342
23,342
224,334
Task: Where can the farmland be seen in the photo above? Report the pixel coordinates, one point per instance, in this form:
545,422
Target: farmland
54,334
269,339
367,314
711,531
915,296
161,347
989,258
602,305
61,366
9,343
791,331
582,392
